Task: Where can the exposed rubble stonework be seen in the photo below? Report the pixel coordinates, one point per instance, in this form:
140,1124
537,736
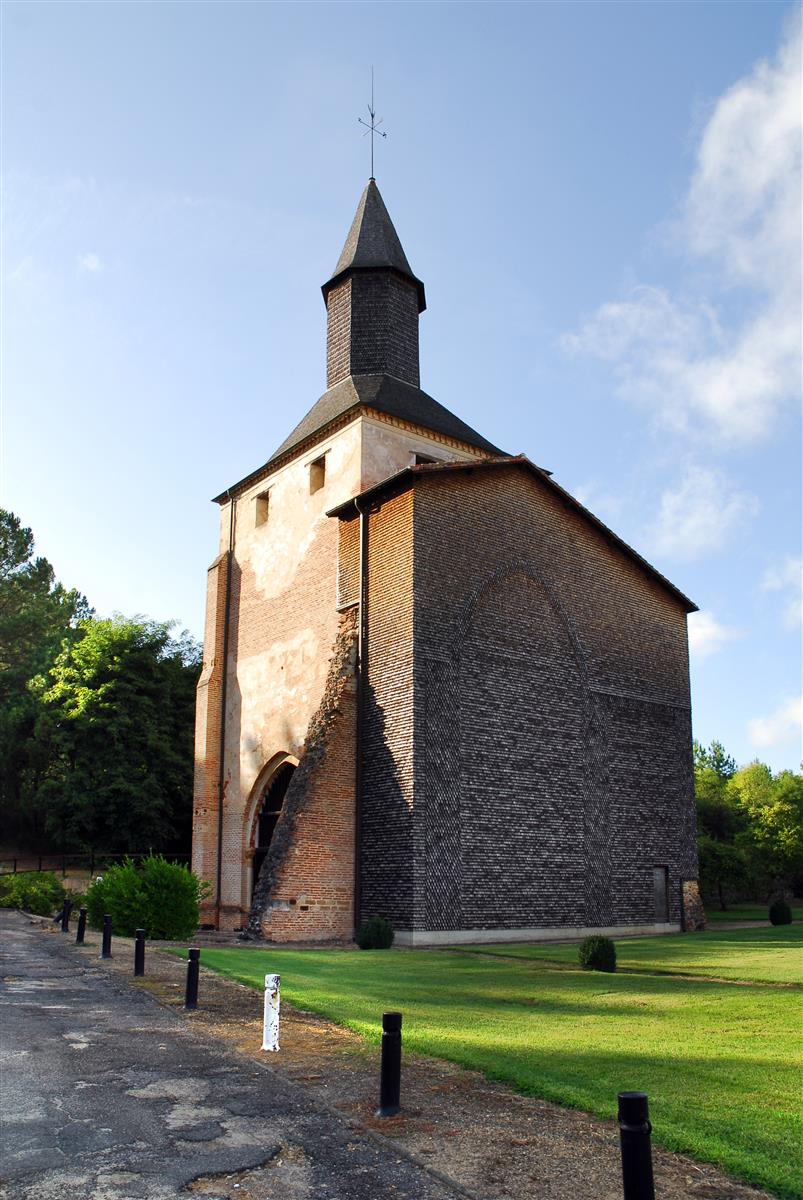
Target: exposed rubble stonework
305,890
693,912
500,745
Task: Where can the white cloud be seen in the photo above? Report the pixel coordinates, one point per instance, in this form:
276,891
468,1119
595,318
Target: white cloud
90,262
602,503
707,636
699,515
784,725
787,577
740,224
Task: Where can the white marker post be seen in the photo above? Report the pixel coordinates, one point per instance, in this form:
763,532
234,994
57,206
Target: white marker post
270,1035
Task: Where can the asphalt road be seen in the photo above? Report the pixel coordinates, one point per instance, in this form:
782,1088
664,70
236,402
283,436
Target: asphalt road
107,1094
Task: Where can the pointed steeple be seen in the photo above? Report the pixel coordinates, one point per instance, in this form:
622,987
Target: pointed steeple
373,243
373,301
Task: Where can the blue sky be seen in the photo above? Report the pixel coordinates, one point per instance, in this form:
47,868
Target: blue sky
603,201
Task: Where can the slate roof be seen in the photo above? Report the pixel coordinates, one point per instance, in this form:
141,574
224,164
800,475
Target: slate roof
373,243
407,477
384,394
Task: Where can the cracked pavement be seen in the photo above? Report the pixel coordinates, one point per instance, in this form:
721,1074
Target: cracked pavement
106,1094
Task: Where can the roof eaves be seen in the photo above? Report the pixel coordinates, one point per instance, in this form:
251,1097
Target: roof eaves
279,460
327,287
386,485
521,460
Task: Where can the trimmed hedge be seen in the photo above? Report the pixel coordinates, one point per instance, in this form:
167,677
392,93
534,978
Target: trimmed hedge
780,913
597,954
161,897
375,934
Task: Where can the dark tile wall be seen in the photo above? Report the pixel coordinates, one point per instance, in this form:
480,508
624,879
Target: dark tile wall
387,858
372,328
547,752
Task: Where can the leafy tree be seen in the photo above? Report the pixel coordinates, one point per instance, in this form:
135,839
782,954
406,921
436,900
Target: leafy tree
713,758
114,738
750,826
719,814
724,868
773,837
36,615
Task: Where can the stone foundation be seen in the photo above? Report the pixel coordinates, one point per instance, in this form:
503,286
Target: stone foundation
455,937
693,911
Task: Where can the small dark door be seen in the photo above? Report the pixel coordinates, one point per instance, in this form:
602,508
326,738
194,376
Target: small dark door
660,877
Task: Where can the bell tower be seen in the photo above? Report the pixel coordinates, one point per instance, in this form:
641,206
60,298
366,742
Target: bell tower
373,301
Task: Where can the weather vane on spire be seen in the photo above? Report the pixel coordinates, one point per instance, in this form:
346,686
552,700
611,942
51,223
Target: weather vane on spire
374,126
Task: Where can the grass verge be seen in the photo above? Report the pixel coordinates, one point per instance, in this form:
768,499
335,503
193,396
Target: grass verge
748,912
771,955
716,1059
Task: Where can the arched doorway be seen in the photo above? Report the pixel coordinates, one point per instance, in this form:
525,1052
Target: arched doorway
270,807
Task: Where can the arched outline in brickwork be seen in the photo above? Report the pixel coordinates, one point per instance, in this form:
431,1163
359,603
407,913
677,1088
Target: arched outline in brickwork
593,797
262,782
498,576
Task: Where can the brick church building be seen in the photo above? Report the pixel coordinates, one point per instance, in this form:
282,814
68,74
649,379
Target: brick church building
435,687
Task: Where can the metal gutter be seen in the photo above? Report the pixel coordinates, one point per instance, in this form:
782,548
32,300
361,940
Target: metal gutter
223,696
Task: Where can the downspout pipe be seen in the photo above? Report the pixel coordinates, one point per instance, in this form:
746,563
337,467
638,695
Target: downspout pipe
223,695
362,646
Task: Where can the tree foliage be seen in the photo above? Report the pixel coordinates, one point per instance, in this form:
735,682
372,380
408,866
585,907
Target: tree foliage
37,615
773,807
96,717
36,612
750,825
114,737
714,758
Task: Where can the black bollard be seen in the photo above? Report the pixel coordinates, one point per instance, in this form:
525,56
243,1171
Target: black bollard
193,970
65,916
634,1138
139,952
106,944
79,937
390,1068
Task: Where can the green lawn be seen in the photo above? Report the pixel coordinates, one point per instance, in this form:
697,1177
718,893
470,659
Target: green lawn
771,955
748,912
716,1058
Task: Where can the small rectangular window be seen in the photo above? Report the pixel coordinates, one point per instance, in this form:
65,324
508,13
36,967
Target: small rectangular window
261,508
317,475
423,460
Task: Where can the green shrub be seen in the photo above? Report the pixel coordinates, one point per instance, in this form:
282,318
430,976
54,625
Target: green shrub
375,934
33,892
780,913
597,954
161,897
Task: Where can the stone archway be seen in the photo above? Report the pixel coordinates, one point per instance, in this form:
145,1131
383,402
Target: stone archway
269,807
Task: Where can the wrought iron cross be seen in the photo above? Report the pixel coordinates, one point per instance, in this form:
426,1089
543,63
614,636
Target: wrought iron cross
374,126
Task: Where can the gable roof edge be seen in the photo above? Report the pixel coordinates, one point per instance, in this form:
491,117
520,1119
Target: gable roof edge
408,476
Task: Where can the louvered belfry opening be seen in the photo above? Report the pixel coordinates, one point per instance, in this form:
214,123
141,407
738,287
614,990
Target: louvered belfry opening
269,813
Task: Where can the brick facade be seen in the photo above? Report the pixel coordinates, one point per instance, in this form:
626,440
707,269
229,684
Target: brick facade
289,591
528,749
388,855
512,754
306,887
206,797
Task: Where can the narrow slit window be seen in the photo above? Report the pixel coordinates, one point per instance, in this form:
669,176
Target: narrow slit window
261,508
317,475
